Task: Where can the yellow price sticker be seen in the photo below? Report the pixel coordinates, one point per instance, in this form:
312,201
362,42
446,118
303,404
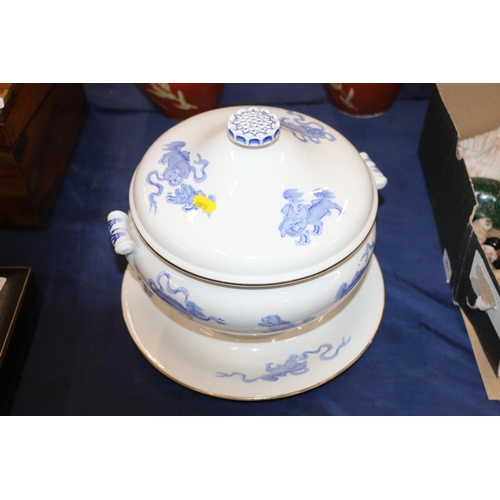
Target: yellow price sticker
204,203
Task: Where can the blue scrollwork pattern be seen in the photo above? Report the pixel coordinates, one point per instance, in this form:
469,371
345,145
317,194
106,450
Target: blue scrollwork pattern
304,220
178,169
295,364
306,131
188,308
115,230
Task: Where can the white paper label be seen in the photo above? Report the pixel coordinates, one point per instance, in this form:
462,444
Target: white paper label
447,266
2,282
490,301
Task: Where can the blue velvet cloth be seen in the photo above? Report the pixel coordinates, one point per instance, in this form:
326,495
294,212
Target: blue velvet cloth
81,359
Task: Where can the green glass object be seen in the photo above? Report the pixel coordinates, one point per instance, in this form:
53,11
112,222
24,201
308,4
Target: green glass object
487,192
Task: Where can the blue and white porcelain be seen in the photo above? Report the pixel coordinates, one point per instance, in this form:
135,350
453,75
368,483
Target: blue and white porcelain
250,221
253,368
253,127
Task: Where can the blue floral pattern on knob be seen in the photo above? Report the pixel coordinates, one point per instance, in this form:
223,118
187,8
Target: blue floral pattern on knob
253,127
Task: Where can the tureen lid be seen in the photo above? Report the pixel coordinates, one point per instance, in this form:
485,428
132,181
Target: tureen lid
253,196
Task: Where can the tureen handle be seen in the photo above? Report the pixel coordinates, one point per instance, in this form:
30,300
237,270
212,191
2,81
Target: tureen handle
379,178
120,235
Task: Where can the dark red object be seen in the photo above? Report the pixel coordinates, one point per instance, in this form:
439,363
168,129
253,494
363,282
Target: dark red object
182,100
363,99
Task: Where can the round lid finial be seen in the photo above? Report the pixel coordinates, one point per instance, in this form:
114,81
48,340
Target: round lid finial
253,127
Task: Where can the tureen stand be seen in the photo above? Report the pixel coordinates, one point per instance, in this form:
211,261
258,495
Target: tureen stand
253,368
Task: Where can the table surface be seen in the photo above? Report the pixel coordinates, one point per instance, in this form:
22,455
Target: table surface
78,357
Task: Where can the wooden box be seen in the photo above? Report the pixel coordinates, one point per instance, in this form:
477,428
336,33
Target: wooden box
39,127
17,293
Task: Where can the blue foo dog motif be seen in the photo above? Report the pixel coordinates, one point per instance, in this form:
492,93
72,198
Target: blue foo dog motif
295,364
306,131
178,169
274,323
185,195
299,217
189,308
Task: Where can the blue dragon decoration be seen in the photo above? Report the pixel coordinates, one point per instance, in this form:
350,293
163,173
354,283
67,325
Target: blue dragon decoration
189,308
274,323
184,195
295,364
306,131
178,169
298,217
345,288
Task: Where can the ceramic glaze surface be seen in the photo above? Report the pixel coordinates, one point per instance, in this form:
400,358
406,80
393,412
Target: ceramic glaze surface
182,100
363,99
295,364
252,368
304,220
271,214
253,127
245,310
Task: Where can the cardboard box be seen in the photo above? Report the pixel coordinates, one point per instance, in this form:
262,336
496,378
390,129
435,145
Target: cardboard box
457,112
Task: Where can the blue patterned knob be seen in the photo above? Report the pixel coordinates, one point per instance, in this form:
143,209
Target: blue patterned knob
253,127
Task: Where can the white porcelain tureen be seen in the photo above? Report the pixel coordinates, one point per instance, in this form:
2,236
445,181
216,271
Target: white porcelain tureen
250,221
